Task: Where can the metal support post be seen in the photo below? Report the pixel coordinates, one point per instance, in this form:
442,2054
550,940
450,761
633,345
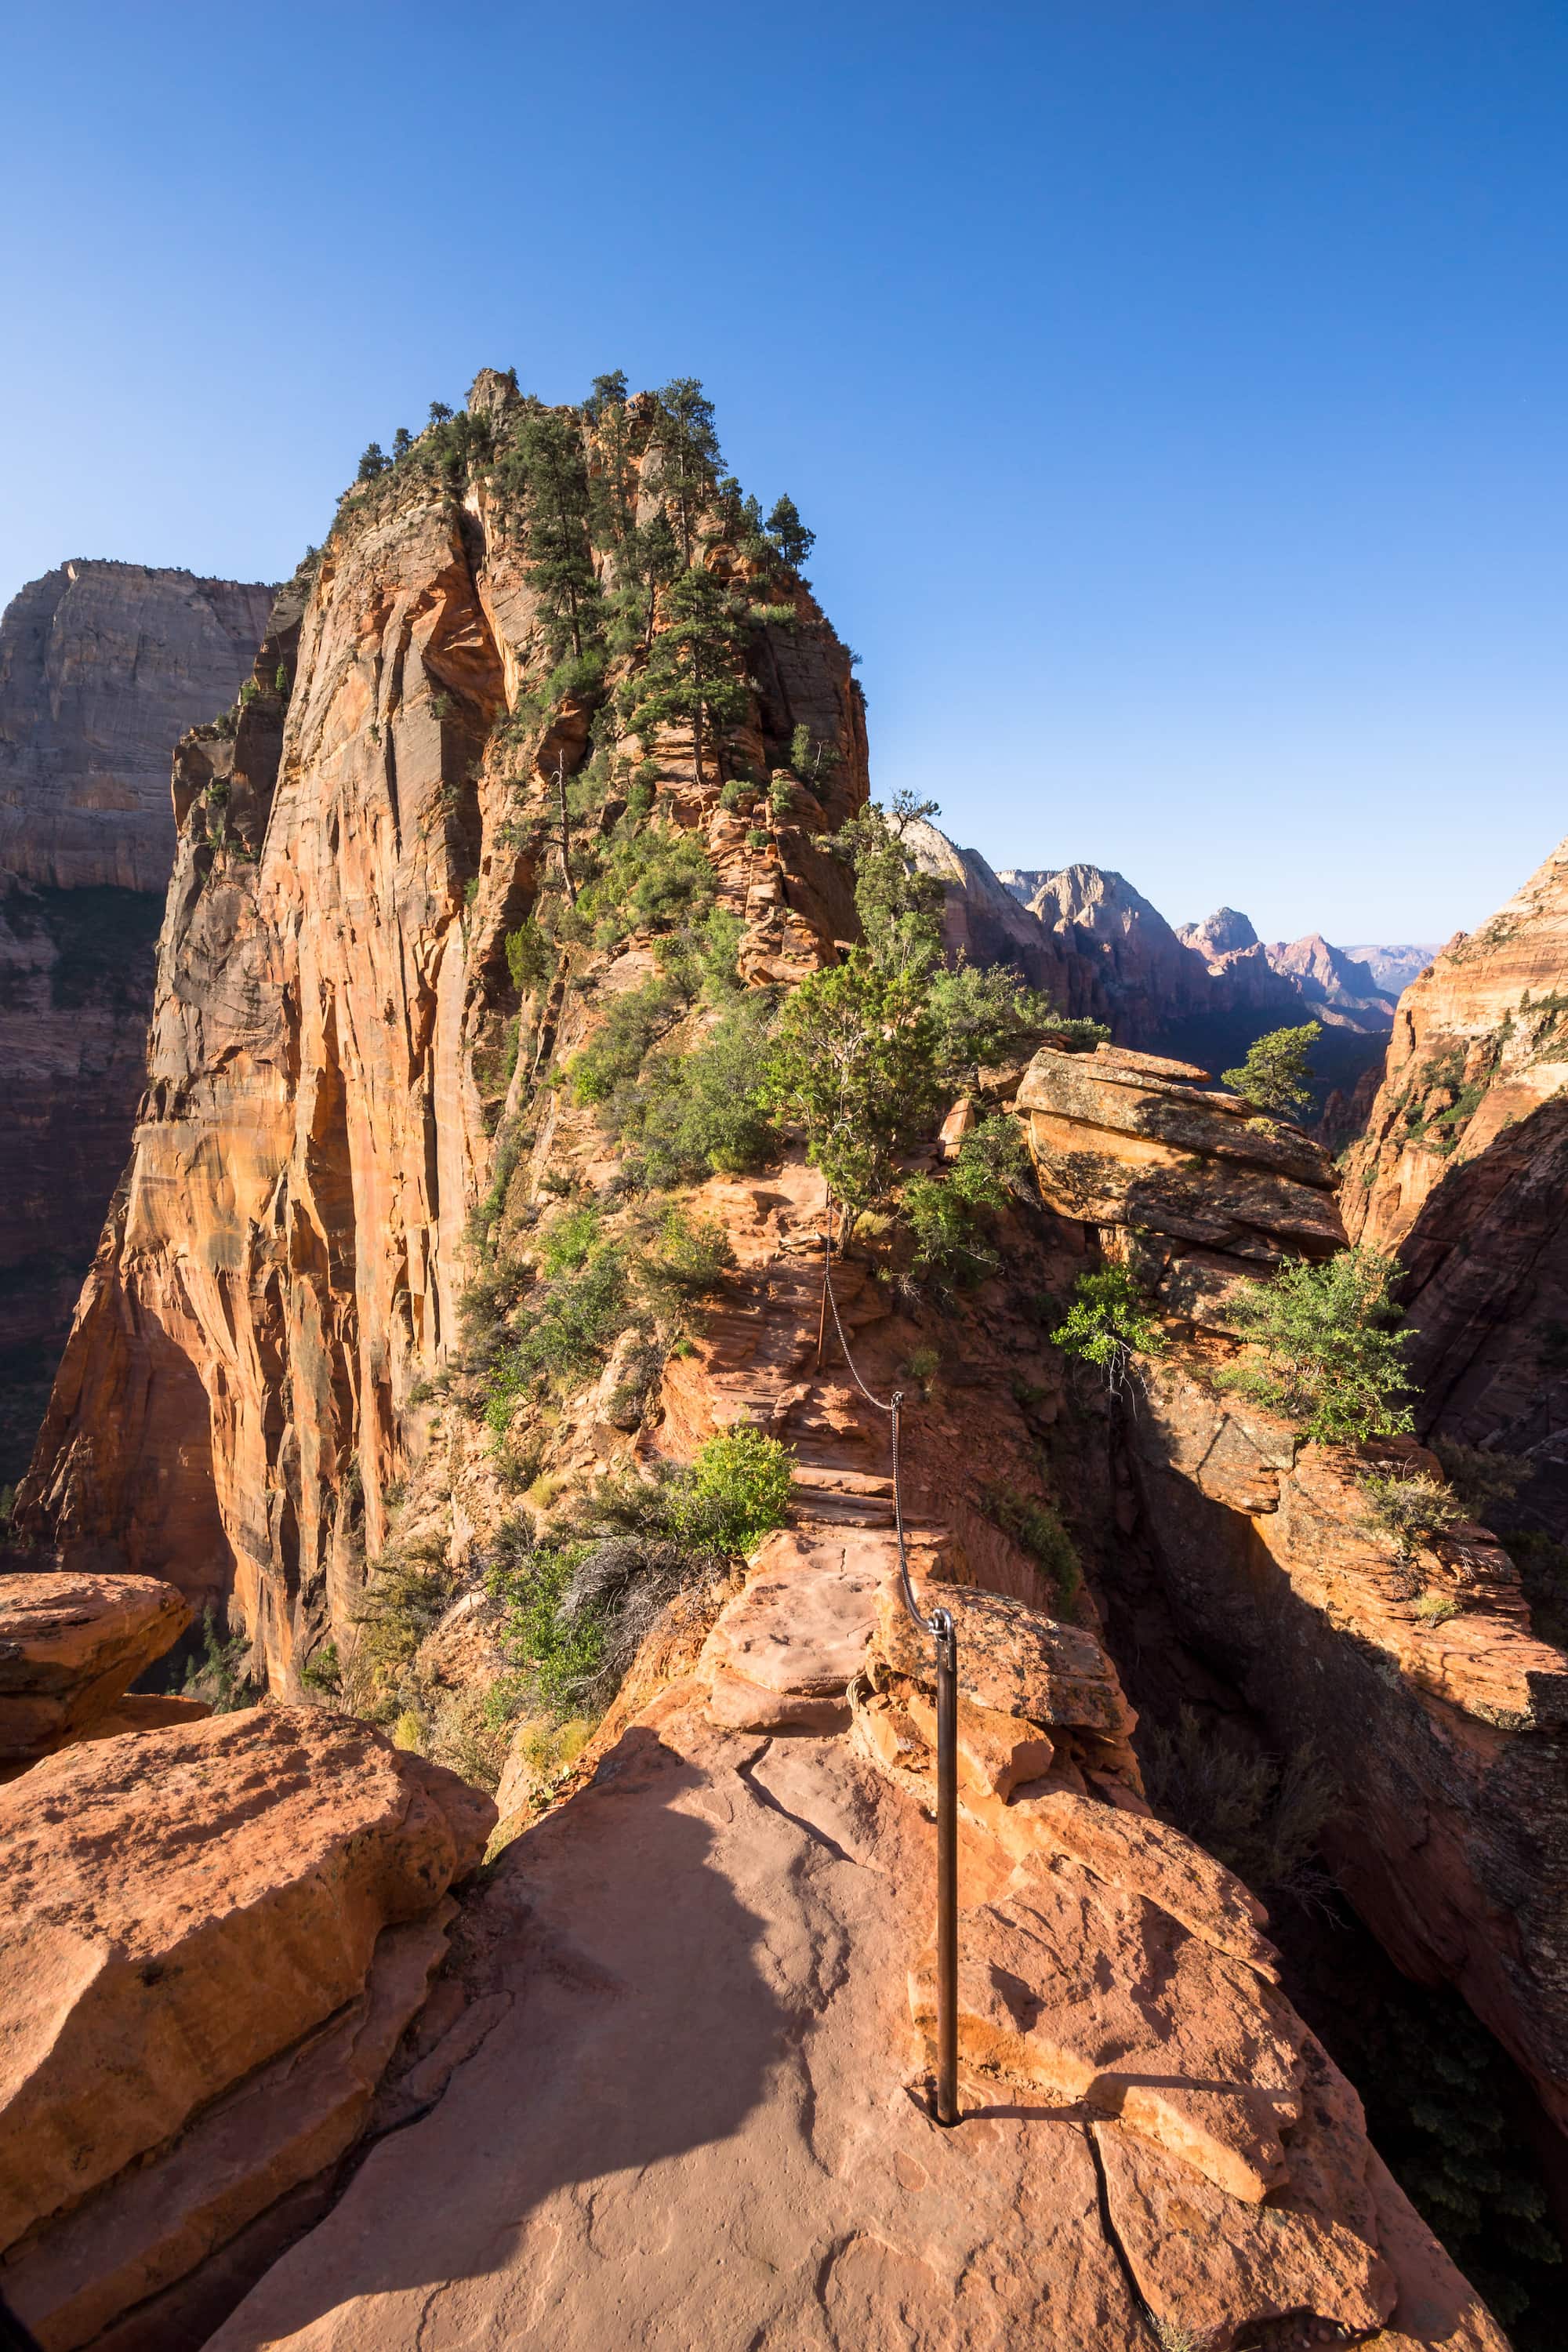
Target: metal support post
942,1627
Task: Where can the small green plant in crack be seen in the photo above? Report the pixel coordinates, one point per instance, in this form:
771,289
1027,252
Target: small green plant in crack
1410,1510
1109,1323
1036,1528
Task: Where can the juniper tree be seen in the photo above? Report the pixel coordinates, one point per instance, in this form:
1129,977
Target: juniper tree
1274,1076
691,665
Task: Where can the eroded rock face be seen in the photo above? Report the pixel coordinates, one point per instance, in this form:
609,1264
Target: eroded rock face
70,1648
281,1269
1449,1735
213,1936
102,666
1464,1171
1188,1180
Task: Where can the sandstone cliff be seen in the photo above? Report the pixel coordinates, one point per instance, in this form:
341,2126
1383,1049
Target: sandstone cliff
279,1276
1463,1171
103,667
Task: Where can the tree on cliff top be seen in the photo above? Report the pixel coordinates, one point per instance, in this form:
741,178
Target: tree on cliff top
692,664
1273,1078
546,470
687,448
788,535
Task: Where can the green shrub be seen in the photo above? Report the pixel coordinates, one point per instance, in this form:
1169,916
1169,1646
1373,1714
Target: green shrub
1108,1322
853,1063
1410,1510
1331,1362
572,1321
222,1674
567,1242
528,957
579,1606
948,1215
702,1113
741,1484
1260,1816
1036,1528
614,1054
757,838
688,1257
1434,1606
1485,1481
406,1596
322,1671
982,1013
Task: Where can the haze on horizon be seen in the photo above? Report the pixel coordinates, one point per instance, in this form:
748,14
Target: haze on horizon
1176,389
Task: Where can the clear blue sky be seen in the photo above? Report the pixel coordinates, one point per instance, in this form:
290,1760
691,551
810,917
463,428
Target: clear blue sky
1177,389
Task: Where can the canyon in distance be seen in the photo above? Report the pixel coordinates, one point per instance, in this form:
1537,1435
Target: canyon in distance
500,1101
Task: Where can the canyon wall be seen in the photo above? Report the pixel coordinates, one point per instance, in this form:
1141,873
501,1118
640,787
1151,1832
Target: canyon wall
102,666
1463,1171
1418,1669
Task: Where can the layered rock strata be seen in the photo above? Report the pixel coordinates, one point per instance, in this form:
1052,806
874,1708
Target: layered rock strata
1463,1171
1449,1725
70,1647
215,1936
102,666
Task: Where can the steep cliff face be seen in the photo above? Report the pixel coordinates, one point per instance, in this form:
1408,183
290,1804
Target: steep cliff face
102,666
1462,1170
1449,1725
279,1277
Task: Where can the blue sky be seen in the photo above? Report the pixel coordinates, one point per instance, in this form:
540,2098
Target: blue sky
1177,389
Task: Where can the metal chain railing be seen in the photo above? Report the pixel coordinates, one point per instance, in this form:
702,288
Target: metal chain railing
940,1626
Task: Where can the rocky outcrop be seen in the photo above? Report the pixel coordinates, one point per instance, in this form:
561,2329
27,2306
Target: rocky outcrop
279,1281
1464,1171
103,665
715,2112
1446,1722
214,1937
1447,1727
70,1647
1183,1180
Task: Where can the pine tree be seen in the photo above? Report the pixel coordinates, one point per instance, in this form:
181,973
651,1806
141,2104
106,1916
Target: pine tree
439,413
688,452
692,662
401,442
549,469
789,535
612,484
1274,1074
609,392
373,462
646,560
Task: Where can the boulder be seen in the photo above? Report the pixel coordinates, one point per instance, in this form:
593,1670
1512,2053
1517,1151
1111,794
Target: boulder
232,1911
70,1645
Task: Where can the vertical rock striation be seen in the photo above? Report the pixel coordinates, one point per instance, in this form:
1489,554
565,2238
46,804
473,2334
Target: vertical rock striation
103,665
1463,1171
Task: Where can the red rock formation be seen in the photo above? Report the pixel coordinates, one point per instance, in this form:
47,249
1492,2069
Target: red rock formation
280,1271
1450,1732
706,2120
70,1648
213,1936
103,665
1464,1171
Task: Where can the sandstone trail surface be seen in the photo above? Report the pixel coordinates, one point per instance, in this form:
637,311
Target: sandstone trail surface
394,1287
700,1987
103,667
